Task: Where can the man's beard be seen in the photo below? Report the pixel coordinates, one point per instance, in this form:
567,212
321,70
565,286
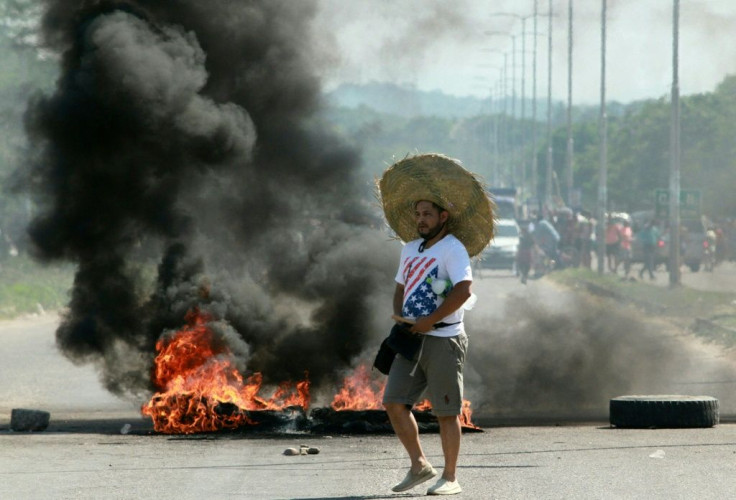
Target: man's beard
431,232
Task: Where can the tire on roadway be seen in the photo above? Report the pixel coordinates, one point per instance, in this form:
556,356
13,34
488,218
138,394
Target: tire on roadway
670,411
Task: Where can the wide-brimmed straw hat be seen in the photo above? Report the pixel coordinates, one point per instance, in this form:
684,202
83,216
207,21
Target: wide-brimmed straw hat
441,180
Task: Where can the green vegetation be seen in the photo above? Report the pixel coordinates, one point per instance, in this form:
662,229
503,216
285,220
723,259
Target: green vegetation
27,286
708,314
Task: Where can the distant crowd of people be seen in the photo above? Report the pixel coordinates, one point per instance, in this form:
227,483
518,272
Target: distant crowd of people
567,238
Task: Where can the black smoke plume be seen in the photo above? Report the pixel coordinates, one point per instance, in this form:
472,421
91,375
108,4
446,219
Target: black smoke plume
556,353
185,137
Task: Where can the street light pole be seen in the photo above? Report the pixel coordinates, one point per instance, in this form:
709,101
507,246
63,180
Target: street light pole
497,117
570,144
496,109
548,187
675,153
510,151
523,128
535,160
602,178
522,182
513,170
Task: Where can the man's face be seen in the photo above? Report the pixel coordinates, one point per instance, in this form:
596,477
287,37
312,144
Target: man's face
429,219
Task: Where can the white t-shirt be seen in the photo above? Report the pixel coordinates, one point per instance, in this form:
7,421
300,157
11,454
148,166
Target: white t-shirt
428,277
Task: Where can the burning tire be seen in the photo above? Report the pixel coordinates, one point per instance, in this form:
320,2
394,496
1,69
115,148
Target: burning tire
644,412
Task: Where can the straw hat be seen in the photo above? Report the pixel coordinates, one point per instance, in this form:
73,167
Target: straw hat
441,180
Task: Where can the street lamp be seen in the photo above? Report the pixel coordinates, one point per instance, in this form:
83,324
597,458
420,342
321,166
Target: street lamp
570,143
522,182
535,31
675,152
548,186
602,177
513,167
504,80
496,93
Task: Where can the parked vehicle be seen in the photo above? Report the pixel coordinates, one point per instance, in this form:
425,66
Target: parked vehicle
507,203
692,243
501,254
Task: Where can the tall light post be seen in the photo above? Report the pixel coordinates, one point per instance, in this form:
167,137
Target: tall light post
675,152
506,136
522,162
535,166
548,186
535,161
570,144
496,148
523,108
602,177
514,166
497,110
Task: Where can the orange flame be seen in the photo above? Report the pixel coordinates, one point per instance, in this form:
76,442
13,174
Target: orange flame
200,388
361,392
465,414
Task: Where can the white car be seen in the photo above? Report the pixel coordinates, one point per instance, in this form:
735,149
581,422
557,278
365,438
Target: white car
501,254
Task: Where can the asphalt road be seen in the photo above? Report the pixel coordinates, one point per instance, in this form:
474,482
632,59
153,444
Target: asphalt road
98,446
92,460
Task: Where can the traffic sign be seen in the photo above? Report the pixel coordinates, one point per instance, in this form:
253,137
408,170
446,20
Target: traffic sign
689,203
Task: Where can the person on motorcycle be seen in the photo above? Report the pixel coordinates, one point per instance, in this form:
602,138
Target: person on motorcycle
547,238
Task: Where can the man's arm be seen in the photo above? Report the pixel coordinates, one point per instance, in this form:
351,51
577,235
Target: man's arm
454,301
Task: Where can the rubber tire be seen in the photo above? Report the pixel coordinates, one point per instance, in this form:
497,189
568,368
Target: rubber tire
646,412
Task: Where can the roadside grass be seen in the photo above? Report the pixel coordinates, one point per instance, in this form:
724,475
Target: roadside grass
27,286
706,313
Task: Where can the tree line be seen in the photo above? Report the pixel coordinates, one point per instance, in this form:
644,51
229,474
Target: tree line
638,147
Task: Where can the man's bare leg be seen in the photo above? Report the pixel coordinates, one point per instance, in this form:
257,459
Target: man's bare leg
405,427
450,433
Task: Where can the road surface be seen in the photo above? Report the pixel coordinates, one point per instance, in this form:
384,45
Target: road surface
98,446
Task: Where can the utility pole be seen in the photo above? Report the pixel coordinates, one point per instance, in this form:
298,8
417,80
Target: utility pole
522,182
675,153
504,127
535,160
570,145
602,177
512,145
496,118
548,186
520,168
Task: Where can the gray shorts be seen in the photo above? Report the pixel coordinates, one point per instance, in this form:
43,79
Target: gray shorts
439,372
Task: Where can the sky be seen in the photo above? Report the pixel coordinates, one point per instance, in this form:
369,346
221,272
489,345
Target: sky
442,45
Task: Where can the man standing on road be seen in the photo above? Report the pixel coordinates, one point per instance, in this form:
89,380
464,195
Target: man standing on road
613,243
648,237
625,250
433,197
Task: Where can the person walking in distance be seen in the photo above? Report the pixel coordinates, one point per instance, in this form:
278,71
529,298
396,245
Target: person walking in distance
613,243
585,234
443,214
648,237
525,254
625,250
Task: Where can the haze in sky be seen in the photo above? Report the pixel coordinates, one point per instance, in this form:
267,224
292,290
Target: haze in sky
441,45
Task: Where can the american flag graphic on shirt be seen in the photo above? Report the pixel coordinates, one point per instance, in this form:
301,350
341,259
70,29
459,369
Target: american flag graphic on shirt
419,299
